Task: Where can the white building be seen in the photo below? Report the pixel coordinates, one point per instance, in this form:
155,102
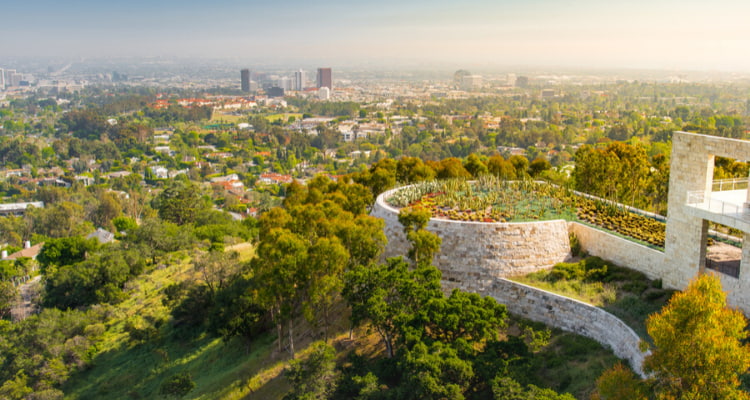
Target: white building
324,93
300,80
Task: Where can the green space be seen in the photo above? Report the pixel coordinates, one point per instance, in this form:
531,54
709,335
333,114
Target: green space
283,117
490,199
627,294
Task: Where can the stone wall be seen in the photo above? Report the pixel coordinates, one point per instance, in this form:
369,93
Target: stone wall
619,250
570,315
474,253
692,170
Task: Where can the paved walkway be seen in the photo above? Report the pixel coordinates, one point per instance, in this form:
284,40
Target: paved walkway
27,292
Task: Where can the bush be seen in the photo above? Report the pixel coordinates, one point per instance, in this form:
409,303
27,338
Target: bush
575,245
178,385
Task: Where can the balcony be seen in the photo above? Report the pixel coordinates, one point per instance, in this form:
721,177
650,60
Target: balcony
726,205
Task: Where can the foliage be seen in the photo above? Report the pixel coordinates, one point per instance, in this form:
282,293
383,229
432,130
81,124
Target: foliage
66,251
699,349
695,330
178,385
180,202
315,376
8,295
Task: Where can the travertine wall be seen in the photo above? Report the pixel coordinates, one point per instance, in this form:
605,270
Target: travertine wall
692,170
570,315
473,253
619,250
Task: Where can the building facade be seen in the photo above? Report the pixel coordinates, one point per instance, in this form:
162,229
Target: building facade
245,79
325,78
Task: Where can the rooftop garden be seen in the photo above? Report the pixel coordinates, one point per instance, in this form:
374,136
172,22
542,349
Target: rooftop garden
489,199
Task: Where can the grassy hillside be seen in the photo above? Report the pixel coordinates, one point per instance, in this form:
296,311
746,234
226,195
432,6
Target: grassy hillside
142,348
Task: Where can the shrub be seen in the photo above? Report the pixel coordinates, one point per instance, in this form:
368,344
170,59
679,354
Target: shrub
575,245
178,385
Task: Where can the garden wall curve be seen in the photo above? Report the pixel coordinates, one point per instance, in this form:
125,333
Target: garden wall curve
473,254
570,315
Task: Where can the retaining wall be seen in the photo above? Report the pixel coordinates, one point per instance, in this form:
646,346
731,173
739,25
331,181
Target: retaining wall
474,253
570,315
619,250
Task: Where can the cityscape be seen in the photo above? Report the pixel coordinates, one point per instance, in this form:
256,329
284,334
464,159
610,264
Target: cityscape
415,200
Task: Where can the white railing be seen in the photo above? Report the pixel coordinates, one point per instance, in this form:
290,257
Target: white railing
700,199
729,184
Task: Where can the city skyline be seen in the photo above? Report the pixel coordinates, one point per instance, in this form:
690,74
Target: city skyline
661,34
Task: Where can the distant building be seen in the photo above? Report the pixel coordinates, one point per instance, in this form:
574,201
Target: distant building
2,79
284,83
18,208
275,92
325,78
522,81
102,235
548,93
245,80
300,80
324,93
471,82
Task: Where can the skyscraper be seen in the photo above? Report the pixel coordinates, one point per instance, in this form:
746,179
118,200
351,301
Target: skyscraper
245,78
300,80
325,78
2,79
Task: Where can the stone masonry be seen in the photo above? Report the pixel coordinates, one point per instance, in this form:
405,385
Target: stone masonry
685,246
474,253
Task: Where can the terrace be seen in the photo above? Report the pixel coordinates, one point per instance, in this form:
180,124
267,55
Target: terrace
726,203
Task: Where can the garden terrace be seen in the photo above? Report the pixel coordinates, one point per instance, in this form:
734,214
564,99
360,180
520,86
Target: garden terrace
493,200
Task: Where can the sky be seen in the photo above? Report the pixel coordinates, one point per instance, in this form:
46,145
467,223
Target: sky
654,34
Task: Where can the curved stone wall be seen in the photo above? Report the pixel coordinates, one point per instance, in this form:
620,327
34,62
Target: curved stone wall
572,316
475,256
472,254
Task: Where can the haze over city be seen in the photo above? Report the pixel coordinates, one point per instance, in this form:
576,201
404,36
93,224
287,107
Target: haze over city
661,34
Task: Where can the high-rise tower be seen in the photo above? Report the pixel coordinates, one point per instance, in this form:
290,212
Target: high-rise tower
325,78
300,80
245,79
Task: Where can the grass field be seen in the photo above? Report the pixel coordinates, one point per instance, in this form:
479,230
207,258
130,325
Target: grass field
283,116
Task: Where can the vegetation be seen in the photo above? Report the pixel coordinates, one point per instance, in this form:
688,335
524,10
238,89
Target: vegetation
168,309
626,293
699,350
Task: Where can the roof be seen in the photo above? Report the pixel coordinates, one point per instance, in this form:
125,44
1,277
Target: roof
102,235
29,252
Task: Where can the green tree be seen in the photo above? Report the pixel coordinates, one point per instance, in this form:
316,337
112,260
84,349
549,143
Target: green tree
699,350
8,295
475,166
180,202
313,378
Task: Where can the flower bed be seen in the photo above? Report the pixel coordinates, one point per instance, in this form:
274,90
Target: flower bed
492,200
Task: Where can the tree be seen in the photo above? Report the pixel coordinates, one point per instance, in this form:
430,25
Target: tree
500,167
7,298
699,351
280,265
315,377
389,295
475,166
180,202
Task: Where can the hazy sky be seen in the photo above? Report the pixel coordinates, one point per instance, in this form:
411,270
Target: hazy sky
686,34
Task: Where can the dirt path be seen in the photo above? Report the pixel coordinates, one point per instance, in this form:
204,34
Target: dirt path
27,293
